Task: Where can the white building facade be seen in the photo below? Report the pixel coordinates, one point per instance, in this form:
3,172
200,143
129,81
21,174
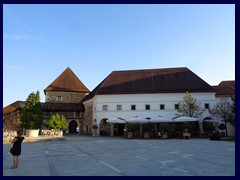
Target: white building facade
145,105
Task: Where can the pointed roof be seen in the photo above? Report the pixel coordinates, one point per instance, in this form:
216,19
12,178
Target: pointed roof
67,81
167,80
225,88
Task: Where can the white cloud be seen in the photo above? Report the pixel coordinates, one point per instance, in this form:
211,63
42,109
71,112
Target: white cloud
22,37
10,67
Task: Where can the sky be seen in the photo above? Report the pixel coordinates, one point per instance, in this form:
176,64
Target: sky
41,41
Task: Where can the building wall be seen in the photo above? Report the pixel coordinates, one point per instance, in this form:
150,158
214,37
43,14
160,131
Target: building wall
140,100
88,117
11,121
64,97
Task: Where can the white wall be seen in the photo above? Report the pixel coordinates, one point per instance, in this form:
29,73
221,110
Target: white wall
140,100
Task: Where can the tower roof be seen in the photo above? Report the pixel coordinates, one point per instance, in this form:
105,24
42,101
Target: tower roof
67,81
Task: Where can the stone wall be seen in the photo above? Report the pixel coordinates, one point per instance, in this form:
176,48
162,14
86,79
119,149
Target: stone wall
64,97
88,117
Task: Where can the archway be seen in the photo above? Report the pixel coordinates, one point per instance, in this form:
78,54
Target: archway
104,129
72,126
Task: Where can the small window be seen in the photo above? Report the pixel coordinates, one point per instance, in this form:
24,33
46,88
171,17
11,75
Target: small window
162,107
133,107
105,107
59,98
147,106
206,106
176,106
119,107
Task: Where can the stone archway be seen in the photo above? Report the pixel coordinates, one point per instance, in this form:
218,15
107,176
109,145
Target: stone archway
72,126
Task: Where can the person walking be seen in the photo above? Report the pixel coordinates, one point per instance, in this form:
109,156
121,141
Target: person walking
17,143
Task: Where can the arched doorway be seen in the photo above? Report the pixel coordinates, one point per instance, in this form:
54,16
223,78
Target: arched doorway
104,130
72,126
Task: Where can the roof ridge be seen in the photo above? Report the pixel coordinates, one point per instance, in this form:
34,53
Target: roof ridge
155,69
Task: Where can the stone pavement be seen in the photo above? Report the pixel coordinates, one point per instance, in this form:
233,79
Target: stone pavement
116,156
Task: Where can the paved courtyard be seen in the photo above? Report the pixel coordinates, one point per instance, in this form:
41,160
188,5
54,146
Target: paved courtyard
116,156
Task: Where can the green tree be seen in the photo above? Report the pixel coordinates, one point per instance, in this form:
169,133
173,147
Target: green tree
31,115
56,122
223,110
189,107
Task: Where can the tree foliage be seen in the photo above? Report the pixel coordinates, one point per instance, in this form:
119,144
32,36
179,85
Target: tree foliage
31,115
232,119
224,110
56,122
189,107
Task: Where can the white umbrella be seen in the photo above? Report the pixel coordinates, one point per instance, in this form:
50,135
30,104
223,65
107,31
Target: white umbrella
117,120
138,120
184,119
160,119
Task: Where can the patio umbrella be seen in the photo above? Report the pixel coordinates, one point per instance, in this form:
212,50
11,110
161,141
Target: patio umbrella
184,119
160,119
116,120
139,120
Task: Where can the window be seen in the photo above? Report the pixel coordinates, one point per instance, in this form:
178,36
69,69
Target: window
133,107
105,107
59,98
119,107
162,107
176,106
147,107
206,106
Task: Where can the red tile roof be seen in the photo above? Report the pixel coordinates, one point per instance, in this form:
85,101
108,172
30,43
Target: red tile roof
225,88
167,80
67,81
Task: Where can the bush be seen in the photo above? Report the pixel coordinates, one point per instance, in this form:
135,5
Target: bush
56,122
215,136
222,127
